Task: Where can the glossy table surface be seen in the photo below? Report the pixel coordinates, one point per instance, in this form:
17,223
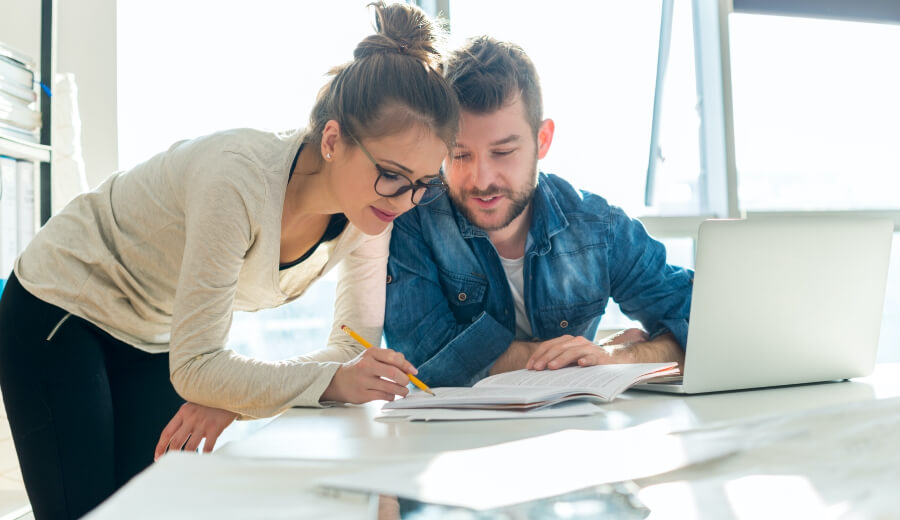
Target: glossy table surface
271,473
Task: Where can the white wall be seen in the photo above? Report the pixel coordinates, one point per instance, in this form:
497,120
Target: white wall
86,46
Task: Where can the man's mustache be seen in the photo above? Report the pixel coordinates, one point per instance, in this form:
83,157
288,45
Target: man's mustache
490,191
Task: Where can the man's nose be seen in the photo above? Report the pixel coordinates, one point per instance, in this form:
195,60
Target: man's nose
482,173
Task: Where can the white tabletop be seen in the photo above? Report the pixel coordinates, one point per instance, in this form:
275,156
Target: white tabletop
271,473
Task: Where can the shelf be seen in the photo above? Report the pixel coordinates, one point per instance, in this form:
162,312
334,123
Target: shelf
25,151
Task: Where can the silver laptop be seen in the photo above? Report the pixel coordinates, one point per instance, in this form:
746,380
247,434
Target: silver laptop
781,301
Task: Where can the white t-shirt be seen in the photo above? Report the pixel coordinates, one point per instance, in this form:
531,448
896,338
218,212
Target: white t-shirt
515,275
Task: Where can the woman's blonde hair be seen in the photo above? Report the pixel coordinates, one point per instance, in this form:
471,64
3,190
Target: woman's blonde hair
395,81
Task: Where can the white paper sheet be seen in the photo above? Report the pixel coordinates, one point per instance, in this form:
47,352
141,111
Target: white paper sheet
837,462
565,409
534,468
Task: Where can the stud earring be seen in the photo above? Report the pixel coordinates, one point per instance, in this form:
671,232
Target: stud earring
328,156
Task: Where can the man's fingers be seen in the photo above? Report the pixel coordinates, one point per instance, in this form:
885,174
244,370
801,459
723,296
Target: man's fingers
542,350
572,342
570,355
598,357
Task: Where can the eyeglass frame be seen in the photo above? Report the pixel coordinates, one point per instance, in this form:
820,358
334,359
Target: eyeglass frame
412,187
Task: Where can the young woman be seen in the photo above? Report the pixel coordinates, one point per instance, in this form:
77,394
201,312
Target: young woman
118,311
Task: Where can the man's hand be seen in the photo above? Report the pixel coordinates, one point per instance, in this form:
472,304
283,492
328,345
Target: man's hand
191,424
376,374
629,346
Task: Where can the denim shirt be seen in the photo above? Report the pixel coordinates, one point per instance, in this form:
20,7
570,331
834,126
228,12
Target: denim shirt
449,307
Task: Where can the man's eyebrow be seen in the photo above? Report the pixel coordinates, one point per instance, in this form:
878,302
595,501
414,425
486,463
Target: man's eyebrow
506,140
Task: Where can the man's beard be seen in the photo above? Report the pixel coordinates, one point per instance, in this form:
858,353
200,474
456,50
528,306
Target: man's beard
519,201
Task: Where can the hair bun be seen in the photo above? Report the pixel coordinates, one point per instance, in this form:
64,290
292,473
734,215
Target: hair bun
405,30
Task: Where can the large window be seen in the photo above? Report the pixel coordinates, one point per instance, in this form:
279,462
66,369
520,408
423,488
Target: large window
814,108
190,68
815,113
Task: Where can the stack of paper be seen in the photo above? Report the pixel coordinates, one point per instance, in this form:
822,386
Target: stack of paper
564,409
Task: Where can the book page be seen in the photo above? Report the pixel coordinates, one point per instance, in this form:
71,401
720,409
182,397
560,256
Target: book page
600,378
491,396
531,389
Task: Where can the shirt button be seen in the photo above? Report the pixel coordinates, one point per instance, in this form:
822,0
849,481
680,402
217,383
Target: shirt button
563,324
462,297
388,279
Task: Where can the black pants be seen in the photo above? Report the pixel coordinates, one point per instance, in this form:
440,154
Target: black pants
85,409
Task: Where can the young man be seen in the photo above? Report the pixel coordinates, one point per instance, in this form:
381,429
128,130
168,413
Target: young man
516,268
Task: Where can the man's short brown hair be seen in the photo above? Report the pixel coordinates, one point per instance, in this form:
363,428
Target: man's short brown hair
487,74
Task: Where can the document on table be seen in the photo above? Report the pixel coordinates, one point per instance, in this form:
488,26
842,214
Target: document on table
532,389
838,461
534,468
564,409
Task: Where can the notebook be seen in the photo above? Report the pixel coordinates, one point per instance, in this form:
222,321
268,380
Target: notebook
525,390
781,301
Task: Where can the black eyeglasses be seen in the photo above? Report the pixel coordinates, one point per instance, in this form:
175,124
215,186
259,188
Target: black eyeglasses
390,184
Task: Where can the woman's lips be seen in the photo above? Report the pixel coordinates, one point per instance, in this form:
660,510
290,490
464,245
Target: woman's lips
384,216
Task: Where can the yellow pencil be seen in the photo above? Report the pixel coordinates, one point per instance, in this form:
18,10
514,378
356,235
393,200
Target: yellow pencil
362,341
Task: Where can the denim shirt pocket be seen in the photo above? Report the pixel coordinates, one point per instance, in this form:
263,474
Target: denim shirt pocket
575,319
465,294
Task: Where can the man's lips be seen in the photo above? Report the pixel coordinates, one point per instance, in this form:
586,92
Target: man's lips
489,202
385,216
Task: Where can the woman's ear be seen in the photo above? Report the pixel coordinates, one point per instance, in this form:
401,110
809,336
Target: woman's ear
545,137
331,136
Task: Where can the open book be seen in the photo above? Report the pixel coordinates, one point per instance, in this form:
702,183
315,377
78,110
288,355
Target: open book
530,389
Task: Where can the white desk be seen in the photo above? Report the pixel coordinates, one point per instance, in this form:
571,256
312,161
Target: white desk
270,474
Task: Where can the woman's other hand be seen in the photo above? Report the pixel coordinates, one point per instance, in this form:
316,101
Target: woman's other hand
192,424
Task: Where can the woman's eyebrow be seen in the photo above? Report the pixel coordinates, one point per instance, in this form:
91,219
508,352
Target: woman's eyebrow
398,165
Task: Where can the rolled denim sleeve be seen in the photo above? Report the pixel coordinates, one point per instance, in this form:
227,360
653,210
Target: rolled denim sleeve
420,324
647,288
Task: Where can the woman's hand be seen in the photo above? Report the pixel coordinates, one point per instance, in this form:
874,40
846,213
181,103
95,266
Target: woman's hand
376,374
192,424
